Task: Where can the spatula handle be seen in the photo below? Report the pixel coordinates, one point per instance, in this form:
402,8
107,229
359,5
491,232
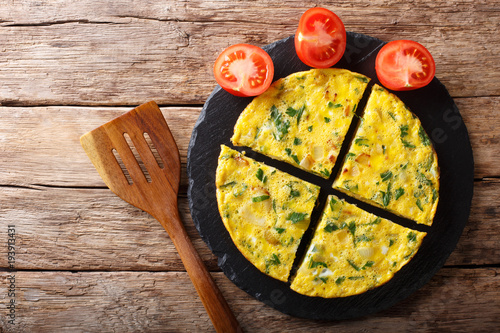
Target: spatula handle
216,306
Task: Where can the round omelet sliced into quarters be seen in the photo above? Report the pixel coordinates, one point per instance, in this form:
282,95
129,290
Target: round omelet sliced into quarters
353,251
391,161
303,118
265,211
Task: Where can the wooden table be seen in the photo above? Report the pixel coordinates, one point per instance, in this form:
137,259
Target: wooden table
87,261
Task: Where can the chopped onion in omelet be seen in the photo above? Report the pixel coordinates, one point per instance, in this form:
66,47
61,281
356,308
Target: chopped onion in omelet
265,211
391,162
303,118
353,251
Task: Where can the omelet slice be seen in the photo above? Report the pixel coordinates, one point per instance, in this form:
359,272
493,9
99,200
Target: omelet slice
391,161
353,251
266,211
303,118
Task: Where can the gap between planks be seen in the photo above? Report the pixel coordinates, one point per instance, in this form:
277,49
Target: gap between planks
132,105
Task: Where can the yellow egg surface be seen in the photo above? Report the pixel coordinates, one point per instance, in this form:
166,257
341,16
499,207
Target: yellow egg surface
303,118
353,251
265,211
391,161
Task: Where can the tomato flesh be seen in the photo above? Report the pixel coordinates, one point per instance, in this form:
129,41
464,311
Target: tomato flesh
244,70
320,40
404,65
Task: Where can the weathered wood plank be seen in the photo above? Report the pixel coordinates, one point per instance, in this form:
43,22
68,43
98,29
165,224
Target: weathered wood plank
87,53
483,124
478,240
166,301
92,229
89,229
41,145
28,12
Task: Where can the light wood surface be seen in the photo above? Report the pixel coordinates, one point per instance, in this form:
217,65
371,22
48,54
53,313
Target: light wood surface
85,261
131,301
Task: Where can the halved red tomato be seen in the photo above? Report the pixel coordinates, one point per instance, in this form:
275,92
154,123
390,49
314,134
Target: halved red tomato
404,65
244,70
320,39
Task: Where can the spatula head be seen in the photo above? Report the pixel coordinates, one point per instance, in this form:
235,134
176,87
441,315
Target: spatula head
137,157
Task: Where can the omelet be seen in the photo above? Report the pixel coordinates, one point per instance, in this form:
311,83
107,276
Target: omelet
303,118
391,162
353,251
265,211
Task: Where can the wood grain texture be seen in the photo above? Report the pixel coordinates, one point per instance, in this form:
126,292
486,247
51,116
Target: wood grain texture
40,145
89,229
167,302
92,229
97,53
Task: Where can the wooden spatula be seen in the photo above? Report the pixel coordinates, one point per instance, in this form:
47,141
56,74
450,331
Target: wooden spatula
138,159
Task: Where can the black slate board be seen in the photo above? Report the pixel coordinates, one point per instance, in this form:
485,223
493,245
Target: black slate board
440,118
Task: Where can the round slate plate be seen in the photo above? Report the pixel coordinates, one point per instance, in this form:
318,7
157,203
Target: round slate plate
440,118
